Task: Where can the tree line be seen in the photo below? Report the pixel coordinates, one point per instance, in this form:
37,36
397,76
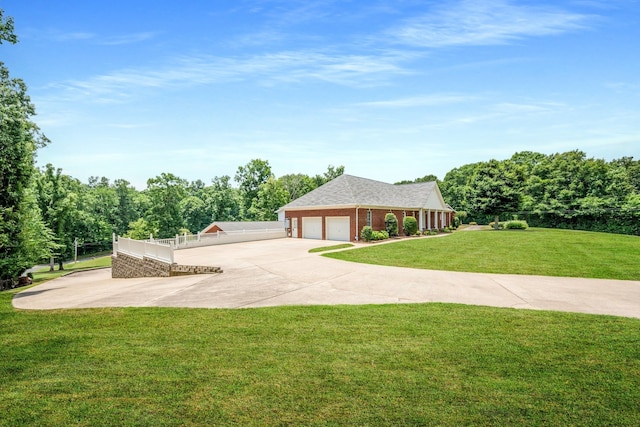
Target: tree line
563,190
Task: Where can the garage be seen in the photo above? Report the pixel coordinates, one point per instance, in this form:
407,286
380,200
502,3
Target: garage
338,228
312,227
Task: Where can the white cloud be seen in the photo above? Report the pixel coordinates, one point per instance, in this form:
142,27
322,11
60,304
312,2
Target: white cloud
419,101
478,23
270,68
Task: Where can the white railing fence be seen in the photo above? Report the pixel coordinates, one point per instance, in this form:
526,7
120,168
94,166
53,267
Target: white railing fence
143,248
162,249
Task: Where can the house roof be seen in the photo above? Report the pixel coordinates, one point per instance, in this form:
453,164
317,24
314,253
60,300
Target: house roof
244,225
349,190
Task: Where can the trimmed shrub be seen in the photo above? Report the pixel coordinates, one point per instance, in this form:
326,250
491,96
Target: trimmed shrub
516,225
473,223
366,233
380,235
500,225
409,225
391,224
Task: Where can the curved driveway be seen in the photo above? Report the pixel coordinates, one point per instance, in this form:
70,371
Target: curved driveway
282,272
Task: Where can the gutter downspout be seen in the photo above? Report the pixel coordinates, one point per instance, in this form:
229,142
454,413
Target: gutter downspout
357,207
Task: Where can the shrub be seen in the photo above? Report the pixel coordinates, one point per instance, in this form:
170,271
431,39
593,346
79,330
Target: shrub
516,225
391,224
500,225
473,223
380,235
366,233
409,226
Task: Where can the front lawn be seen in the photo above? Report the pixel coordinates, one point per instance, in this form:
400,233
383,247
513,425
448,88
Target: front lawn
382,365
534,251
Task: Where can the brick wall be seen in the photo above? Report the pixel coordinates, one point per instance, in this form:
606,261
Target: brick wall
126,266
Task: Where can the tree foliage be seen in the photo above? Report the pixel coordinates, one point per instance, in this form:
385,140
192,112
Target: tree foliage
23,236
564,190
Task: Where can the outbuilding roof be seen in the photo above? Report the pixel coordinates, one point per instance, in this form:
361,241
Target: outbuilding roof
348,190
243,225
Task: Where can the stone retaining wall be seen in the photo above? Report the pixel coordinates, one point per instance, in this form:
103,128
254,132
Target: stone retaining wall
126,266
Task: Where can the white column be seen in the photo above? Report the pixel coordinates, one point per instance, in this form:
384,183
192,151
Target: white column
429,219
421,220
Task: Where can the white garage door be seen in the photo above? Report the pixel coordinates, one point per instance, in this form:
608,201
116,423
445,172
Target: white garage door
338,228
312,227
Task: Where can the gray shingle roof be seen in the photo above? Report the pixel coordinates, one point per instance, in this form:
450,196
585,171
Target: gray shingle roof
246,225
349,190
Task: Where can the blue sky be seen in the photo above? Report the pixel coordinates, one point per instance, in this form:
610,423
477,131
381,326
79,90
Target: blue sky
392,90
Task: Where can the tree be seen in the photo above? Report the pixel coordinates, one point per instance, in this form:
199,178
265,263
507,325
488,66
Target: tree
223,201
426,178
19,139
58,198
297,184
165,194
249,178
194,213
331,173
271,196
128,206
494,190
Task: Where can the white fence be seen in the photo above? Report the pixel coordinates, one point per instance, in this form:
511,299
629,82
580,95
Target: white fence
143,248
162,249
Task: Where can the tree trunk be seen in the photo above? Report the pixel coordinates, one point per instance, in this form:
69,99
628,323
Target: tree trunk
496,222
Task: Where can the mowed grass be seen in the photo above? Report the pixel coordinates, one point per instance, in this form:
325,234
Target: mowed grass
382,365
44,274
545,252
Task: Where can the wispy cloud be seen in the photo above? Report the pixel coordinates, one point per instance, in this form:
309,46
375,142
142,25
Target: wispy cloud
419,101
477,23
127,38
266,69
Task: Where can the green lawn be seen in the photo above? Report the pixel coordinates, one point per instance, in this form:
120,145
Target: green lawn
534,251
388,365
417,364
331,248
44,274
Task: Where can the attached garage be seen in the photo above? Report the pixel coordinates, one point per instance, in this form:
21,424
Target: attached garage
312,228
338,228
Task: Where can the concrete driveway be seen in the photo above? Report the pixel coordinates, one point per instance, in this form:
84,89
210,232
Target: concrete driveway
282,272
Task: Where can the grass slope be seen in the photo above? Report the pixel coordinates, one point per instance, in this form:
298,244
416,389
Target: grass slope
44,274
534,251
422,364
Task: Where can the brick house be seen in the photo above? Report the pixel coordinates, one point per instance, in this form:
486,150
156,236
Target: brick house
340,208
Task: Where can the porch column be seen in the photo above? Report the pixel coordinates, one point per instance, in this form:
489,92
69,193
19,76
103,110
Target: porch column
421,220
429,219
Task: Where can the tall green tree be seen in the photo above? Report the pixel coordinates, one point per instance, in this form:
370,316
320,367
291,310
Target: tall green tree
166,192
495,190
59,198
297,185
19,139
271,196
223,201
331,173
250,177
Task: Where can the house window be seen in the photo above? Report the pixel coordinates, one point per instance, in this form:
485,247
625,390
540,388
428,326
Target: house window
369,217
